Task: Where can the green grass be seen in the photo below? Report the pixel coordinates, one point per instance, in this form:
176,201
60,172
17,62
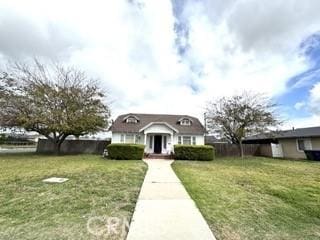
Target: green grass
31,209
256,198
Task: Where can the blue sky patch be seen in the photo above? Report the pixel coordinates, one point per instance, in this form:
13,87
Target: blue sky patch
298,87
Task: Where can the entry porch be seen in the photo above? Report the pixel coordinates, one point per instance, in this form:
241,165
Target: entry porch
156,143
158,138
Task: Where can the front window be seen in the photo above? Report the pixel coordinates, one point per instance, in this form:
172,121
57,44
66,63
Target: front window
137,139
194,141
179,140
122,138
129,138
186,140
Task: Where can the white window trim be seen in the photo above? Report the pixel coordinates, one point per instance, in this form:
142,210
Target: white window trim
304,139
137,137
129,116
185,122
134,138
134,120
181,121
186,136
192,137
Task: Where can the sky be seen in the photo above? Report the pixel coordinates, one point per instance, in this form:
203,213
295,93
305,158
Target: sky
172,57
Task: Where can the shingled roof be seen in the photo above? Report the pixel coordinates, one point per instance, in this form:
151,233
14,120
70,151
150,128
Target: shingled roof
293,133
119,125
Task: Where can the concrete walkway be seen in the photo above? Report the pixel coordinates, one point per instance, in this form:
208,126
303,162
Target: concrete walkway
165,210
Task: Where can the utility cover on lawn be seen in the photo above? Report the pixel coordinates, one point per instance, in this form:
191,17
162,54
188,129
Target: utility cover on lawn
55,180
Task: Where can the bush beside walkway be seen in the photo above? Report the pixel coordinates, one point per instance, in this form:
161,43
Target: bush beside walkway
193,152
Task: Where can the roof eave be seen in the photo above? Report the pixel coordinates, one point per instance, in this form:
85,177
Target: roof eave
164,123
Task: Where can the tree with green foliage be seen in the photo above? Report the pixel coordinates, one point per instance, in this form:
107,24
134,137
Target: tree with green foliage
239,116
2,138
53,100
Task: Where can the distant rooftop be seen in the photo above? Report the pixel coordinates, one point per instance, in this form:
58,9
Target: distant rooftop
293,133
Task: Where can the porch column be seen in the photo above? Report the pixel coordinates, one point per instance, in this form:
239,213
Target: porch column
145,139
171,135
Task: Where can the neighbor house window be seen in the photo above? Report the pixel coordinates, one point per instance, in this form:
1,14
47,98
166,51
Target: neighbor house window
186,140
122,138
164,142
179,140
129,138
194,141
150,142
304,144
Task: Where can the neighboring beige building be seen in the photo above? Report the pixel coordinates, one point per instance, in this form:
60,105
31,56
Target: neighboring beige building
288,143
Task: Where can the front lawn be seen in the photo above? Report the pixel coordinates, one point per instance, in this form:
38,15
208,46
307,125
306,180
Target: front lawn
77,209
256,198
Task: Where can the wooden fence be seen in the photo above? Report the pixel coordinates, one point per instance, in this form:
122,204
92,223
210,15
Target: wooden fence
98,146
232,150
74,146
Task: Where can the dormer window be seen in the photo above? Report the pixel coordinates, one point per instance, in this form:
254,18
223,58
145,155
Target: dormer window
131,119
185,122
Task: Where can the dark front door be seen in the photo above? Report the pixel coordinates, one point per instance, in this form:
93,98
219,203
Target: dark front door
157,143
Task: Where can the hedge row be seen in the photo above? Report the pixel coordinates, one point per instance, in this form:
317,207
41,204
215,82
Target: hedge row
194,152
124,151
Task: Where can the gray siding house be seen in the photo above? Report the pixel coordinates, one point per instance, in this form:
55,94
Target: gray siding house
288,143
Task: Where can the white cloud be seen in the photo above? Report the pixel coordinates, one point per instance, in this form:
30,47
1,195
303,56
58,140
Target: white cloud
302,122
130,46
299,105
313,105
273,25
315,99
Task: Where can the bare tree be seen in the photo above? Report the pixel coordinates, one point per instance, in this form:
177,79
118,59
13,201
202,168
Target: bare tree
239,116
53,100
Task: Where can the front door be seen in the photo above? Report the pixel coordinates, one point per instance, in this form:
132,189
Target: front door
157,144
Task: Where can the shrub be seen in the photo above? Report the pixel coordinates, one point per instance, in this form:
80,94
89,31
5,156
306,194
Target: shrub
2,138
124,151
194,152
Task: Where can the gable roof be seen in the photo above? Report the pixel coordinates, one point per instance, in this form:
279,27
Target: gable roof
293,133
145,119
159,123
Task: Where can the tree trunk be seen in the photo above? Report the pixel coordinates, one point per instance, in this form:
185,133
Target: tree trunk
57,147
241,149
